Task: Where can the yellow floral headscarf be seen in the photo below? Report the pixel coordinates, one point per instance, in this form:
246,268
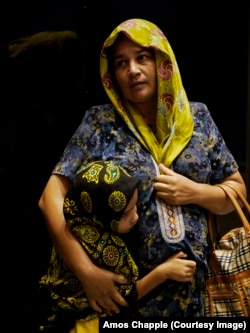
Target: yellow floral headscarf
174,123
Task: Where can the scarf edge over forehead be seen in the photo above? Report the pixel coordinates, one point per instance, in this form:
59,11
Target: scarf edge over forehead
174,120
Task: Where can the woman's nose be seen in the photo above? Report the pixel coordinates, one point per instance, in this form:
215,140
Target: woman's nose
133,69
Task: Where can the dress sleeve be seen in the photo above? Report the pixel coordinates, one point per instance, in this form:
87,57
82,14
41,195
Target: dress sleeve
221,159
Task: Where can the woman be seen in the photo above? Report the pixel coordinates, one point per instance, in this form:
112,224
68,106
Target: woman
175,150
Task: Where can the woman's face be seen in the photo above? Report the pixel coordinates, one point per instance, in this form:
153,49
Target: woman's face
135,72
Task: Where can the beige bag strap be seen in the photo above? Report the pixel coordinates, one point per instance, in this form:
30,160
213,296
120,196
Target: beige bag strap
227,189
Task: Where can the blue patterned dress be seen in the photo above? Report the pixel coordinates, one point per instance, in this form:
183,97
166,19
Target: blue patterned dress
161,231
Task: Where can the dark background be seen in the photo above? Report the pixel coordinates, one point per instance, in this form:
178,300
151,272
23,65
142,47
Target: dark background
40,110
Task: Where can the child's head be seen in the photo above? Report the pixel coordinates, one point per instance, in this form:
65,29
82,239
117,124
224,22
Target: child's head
106,193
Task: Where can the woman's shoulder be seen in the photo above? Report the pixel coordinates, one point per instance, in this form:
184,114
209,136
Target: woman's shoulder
101,108
102,114
98,113
200,111
196,107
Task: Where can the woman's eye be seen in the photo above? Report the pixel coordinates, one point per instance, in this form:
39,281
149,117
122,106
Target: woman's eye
119,63
146,56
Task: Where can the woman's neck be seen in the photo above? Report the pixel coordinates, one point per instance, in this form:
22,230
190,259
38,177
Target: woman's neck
148,111
149,117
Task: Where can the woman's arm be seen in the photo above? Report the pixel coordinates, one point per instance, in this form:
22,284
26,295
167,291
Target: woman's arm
98,284
176,189
175,268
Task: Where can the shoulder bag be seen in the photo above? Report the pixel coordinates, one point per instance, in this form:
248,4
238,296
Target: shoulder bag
228,280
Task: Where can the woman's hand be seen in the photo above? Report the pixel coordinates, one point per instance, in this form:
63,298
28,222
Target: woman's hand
99,286
174,188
